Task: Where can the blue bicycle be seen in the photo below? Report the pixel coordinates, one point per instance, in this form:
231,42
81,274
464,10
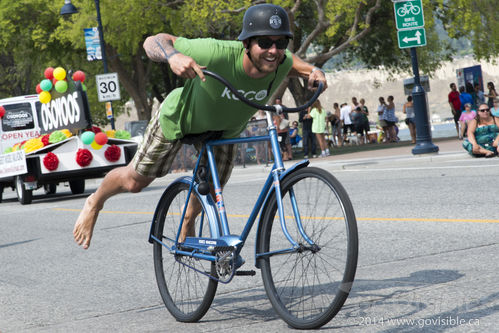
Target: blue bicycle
306,238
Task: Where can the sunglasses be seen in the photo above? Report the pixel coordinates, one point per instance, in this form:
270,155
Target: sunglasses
484,110
266,43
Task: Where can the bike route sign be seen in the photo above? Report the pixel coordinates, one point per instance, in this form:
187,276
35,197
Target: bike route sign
409,14
411,38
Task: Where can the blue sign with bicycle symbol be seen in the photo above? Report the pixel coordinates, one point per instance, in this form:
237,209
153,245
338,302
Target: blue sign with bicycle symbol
409,14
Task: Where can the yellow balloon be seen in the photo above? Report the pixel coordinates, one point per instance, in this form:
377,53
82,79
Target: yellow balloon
111,133
45,97
95,146
59,73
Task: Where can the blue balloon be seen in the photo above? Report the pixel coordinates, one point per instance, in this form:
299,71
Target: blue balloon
88,137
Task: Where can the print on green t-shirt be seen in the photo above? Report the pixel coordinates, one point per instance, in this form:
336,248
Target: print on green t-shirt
210,106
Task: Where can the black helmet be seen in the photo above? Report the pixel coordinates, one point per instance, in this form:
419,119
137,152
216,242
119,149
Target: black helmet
265,20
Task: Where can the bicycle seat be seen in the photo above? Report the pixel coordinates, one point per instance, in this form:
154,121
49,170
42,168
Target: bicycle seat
191,139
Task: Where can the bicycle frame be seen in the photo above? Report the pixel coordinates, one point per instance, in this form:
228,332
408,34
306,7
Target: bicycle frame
218,222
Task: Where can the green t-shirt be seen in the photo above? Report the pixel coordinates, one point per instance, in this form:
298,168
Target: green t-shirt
210,106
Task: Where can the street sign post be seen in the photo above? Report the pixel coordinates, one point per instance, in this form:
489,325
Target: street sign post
409,14
108,88
411,34
411,38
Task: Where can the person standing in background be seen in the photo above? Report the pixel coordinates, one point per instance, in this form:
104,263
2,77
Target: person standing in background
410,118
309,144
319,116
491,95
479,95
391,120
465,97
289,150
336,125
455,105
346,121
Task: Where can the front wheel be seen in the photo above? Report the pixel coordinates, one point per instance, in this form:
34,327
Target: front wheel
24,196
186,292
308,285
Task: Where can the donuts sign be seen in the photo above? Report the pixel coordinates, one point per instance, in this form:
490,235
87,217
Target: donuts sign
63,112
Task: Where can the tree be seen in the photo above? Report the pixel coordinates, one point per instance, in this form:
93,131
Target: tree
327,34
474,19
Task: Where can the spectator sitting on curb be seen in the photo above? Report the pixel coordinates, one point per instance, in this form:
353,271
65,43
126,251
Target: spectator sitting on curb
483,138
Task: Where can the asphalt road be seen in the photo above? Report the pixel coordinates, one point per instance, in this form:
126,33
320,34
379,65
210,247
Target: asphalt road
428,232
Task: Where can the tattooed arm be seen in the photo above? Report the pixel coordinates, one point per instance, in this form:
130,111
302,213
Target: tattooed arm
160,48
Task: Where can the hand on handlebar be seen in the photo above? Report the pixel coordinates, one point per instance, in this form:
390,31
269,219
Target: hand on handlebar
314,78
184,66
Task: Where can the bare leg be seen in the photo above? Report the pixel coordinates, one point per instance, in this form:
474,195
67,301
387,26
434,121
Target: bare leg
193,210
412,130
117,181
462,126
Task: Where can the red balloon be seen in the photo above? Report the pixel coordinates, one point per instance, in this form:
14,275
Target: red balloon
2,111
38,89
79,76
101,138
49,73
54,80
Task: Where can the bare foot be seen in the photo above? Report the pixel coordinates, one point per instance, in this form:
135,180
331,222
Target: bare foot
85,223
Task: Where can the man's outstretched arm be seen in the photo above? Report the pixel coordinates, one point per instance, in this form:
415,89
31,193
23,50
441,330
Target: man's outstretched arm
160,48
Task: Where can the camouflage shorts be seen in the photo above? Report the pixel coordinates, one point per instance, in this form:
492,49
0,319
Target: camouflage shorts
155,155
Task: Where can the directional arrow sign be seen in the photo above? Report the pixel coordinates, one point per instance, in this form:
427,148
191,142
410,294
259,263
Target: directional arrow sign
411,38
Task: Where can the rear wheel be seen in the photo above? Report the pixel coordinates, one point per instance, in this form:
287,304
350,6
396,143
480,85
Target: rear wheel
186,292
50,188
307,286
24,196
77,186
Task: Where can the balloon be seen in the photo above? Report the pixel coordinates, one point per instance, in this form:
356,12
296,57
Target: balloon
38,88
61,86
87,137
79,76
101,138
2,111
84,87
45,97
46,85
54,81
59,73
111,133
95,145
49,73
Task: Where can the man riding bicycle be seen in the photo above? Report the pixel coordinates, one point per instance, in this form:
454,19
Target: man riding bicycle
256,65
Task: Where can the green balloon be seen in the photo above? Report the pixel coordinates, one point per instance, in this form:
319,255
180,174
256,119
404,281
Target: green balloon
46,85
61,86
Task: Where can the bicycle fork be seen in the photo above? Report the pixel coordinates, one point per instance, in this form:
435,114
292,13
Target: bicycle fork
297,216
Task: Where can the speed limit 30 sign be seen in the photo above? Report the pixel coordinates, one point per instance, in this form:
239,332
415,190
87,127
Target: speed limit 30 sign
108,88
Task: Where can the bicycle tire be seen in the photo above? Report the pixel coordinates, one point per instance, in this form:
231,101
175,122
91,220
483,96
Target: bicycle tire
307,296
186,293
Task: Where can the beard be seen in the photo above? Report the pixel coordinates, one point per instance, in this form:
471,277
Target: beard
262,63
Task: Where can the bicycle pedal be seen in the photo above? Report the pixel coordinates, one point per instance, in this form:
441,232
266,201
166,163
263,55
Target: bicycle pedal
248,273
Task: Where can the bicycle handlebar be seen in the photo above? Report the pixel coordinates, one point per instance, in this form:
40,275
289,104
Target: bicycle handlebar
271,108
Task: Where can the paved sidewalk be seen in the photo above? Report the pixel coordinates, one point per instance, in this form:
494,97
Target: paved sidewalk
446,146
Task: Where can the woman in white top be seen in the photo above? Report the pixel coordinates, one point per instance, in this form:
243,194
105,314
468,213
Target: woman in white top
410,117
